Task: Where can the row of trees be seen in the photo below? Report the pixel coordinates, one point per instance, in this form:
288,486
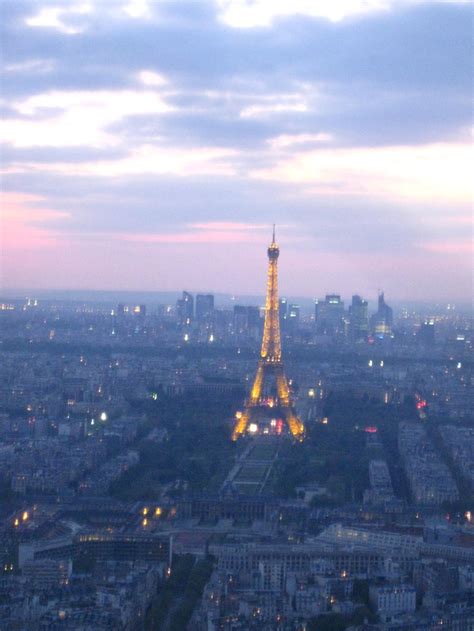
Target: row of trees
179,594
197,450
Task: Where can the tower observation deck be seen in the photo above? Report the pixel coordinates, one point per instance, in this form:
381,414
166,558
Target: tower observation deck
262,402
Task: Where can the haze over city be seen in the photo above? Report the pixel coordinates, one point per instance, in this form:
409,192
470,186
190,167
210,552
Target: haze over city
236,333
151,146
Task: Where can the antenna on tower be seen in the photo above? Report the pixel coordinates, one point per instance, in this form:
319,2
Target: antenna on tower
273,240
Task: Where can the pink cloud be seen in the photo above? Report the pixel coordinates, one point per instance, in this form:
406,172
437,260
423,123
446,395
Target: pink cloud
209,256
229,225
22,219
113,263
449,247
215,232
209,232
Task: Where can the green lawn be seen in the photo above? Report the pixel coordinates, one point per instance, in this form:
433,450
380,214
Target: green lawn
252,473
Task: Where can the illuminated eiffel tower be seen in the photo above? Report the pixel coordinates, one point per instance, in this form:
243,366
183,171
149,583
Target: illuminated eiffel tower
261,404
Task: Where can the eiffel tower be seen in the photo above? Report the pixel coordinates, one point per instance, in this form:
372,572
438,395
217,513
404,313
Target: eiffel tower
260,404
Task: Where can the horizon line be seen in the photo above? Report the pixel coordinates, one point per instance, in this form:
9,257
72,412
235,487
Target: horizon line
463,302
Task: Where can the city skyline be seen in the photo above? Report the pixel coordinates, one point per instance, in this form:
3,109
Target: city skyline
150,146
236,332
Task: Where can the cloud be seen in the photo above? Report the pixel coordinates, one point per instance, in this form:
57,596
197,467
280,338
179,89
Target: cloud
31,66
420,171
283,141
371,80
149,159
234,226
259,13
76,118
148,77
447,247
217,233
23,222
256,111
169,126
138,9
55,17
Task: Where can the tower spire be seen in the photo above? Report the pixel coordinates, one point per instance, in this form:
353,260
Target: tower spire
273,237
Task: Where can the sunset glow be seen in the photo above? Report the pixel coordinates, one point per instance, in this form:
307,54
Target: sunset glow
304,114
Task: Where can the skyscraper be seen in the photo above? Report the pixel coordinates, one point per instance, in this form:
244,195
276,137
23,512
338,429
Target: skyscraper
329,314
426,333
382,321
283,306
185,308
204,307
359,319
246,319
293,317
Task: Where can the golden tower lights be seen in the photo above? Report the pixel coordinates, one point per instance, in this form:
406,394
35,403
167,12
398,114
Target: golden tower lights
270,364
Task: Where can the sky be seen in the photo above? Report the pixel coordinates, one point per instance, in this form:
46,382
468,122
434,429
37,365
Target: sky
151,145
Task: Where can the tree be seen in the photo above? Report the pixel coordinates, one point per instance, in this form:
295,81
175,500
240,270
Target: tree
328,622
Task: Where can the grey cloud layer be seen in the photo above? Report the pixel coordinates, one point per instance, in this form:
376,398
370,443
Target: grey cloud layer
386,67
390,78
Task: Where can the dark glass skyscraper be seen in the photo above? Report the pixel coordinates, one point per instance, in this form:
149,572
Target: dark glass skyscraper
329,314
204,307
185,307
359,318
382,321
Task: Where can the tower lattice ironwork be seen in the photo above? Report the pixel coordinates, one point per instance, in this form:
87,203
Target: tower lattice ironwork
270,365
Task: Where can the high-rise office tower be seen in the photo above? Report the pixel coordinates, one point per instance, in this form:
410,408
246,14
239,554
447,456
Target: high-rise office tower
204,307
426,334
358,319
240,319
283,306
185,308
329,315
382,321
253,317
246,319
293,317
